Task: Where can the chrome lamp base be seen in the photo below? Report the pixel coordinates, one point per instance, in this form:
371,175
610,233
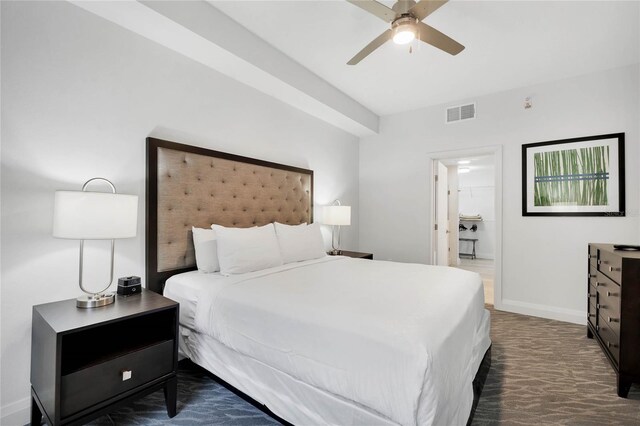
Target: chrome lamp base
95,300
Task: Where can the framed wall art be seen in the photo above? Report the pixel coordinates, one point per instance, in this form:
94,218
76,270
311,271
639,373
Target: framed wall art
574,177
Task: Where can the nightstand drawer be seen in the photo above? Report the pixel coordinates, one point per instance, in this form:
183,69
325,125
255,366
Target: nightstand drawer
83,388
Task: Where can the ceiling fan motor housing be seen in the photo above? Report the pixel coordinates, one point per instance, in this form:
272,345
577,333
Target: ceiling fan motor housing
403,21
402,6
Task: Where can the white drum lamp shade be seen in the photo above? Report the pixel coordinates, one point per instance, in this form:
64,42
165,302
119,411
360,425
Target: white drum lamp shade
82,215
337,215
86,215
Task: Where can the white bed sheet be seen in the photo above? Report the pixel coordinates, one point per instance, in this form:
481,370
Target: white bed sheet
412,336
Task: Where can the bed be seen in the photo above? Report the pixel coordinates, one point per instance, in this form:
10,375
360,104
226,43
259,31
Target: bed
333,340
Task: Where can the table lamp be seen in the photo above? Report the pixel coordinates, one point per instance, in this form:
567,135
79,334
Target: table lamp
85,215
336,215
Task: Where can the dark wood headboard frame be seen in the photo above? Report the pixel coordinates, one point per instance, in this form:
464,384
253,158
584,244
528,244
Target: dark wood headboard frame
155,279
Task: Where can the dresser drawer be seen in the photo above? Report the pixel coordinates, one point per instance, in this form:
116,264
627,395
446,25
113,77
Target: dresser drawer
612,322
608,299
593,269
593,279
83,388
593,256
610,339
610,265
592,313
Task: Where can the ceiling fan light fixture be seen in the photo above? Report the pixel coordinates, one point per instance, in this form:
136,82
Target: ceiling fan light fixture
404,30
404,35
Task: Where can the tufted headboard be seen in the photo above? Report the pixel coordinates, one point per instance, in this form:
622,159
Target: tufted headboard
192,186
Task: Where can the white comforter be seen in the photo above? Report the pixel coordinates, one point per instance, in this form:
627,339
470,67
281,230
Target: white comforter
396,338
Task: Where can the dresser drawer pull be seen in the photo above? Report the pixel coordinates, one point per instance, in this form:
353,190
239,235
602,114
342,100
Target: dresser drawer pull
589,256
600,262
611,269
613,319
611,345
591,315
126,375
597,328
598,284
609,294
592,295
592,275
599,306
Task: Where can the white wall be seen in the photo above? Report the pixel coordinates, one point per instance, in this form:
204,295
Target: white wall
476,195
543,257
79,97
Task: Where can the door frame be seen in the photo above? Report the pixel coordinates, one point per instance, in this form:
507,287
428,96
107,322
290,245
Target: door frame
436,206
496,152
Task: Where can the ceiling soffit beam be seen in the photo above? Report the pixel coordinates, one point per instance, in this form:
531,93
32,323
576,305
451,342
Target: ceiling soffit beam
201,32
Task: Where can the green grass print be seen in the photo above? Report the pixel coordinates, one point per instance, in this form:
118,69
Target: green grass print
563,178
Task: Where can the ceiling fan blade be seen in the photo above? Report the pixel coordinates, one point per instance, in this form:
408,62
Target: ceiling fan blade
375,8
435,38
425,8
379,41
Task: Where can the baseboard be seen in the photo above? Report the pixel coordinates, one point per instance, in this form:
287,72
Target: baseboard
544,311
485,256
17,413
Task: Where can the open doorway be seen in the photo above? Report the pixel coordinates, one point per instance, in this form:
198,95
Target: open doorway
467,214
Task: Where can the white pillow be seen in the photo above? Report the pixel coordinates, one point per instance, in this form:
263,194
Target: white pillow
243,250
204,241
300,242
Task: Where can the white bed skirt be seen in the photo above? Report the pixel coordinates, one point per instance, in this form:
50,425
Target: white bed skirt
287,397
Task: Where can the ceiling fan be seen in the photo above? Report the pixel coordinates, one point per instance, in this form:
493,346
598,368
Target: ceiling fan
406,18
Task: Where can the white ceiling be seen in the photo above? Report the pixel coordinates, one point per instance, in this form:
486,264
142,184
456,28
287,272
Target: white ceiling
509,44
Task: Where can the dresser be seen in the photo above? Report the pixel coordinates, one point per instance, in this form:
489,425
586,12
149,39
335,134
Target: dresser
613,317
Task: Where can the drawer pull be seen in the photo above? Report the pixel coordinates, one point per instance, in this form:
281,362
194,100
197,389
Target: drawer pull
590,256
598,284
611,345
611,269
597,328
592,275
600,262
613,319
126,375
609,294
592,295
591,315
599,306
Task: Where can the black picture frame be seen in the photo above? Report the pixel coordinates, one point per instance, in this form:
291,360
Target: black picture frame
599,163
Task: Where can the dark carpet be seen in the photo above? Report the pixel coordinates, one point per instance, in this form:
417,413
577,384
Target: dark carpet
201,401
543,372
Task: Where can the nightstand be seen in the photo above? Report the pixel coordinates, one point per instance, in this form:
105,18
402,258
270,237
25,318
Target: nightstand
355,254
86,362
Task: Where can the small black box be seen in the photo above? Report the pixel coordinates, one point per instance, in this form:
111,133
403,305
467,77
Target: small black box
129,285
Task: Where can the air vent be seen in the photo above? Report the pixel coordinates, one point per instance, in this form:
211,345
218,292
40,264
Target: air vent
461,113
